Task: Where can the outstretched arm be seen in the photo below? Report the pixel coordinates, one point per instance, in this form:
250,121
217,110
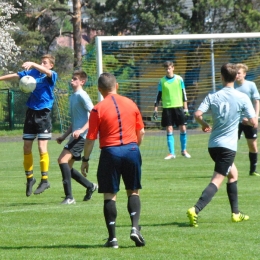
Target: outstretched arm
10,76
29,65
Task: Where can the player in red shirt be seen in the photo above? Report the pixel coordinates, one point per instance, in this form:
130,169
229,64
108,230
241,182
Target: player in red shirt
118,123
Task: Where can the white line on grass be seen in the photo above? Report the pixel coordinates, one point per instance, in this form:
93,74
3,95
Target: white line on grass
36,208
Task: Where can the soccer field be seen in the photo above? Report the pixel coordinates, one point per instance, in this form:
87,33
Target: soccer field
38,227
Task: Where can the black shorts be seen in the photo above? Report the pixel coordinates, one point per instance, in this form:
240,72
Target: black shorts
223,159
249,131
37,123
117,161
173,117
75,146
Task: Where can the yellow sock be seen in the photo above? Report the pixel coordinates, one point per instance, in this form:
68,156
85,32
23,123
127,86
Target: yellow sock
28,162
44,163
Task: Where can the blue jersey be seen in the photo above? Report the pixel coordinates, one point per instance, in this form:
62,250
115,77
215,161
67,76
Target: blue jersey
43,96
226,106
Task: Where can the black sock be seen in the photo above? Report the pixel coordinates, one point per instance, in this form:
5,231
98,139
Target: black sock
81,179
66,179
232,196
206,197
134,208
253,161
110,214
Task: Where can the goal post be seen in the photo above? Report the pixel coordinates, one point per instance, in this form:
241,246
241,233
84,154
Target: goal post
136,61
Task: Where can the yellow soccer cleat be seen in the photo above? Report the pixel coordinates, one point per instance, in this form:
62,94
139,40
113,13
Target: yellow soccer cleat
193,217
239,217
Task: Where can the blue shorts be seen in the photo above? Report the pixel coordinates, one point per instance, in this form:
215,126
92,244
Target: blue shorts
117,161
223,159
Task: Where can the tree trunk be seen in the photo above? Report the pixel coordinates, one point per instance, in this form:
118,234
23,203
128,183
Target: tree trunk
76,20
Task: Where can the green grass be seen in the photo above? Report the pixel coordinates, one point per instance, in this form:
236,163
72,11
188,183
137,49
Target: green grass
39,227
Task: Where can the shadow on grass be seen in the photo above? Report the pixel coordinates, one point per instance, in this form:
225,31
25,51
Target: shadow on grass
179,224
59,247
50,247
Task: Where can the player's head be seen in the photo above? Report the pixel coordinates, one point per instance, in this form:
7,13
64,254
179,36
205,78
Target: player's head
82,75
107,82
242,66
169,68
241,72
79,78
229,72
48,61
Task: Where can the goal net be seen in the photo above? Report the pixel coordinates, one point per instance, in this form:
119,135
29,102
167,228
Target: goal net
137,61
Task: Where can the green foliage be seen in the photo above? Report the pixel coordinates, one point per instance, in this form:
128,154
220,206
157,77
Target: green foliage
63,62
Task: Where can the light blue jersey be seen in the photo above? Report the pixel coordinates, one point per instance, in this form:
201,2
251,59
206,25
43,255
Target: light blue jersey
250,89
226,106
80,106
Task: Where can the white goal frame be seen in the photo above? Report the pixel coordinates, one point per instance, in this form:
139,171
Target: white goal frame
100,39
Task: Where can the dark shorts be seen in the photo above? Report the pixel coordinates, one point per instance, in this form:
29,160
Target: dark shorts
37,123
173,117
75,146
249,131
117,161
223,159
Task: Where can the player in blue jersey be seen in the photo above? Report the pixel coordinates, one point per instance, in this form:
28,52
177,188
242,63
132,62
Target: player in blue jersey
80,106
38,118
250,89
226,107
171,91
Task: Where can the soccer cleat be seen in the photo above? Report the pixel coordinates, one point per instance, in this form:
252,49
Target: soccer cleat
170,156
68,201
29,185
254,174
42,187
239,217
136,236
90,192
113,243
185,154
193,217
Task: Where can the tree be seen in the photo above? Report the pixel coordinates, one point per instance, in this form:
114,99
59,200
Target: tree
173,17
9,51
76,21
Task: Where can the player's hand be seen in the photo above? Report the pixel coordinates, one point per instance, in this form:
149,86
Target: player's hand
245,121
84,168
59,140
27,65
155,115
206,129
186,112
76,134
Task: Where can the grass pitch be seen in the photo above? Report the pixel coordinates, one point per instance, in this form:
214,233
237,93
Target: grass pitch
38,227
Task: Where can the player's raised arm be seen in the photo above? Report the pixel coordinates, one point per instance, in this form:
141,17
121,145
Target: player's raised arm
10,76
40,67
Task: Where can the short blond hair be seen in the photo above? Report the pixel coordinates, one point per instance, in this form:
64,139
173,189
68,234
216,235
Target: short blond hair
49,57
242,66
